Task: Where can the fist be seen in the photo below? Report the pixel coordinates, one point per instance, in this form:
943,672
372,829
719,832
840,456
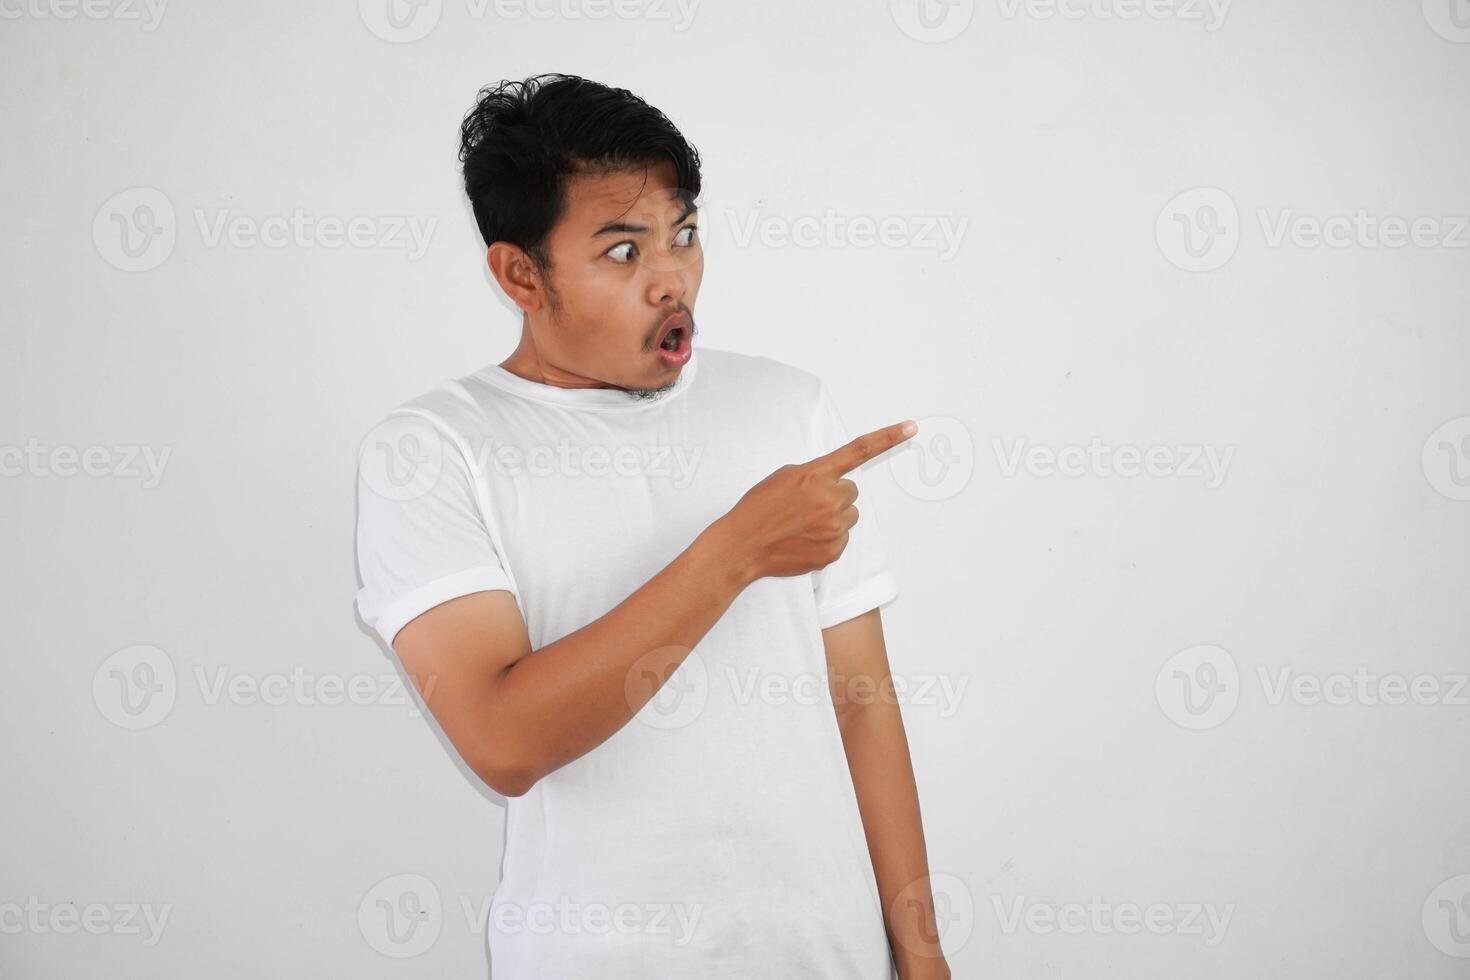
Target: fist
797,519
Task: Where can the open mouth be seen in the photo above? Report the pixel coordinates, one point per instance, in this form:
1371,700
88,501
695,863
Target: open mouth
674,349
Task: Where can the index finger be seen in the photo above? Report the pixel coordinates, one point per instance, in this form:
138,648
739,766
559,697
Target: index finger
865,447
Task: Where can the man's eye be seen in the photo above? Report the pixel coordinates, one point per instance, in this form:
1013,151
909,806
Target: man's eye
623,252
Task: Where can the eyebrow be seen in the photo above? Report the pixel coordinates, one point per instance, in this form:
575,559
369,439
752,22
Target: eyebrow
622,227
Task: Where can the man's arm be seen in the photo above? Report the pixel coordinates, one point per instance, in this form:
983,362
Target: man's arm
516,715
883,778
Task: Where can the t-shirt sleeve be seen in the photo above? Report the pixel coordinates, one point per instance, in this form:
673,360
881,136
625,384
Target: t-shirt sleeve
860,579
422,535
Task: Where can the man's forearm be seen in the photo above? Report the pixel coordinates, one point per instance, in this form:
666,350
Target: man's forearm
568,697
883,778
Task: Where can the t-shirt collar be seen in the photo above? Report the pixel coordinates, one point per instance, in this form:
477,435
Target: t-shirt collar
602,399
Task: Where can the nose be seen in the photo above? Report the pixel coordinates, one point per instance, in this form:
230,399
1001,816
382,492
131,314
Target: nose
668,281
668,291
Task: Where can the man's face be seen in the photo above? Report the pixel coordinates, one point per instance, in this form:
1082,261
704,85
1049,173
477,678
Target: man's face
624,256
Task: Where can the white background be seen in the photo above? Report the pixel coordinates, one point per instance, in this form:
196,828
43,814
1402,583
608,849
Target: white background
1078,766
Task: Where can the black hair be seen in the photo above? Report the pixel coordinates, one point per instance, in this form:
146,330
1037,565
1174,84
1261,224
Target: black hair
524,138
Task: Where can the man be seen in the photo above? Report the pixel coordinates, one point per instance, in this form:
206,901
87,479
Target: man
614,565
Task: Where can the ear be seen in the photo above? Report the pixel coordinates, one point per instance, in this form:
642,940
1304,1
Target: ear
517,275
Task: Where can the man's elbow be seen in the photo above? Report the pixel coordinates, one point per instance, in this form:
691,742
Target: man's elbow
505,770
506,780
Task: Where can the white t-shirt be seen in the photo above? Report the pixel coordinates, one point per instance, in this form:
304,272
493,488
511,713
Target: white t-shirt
717,833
